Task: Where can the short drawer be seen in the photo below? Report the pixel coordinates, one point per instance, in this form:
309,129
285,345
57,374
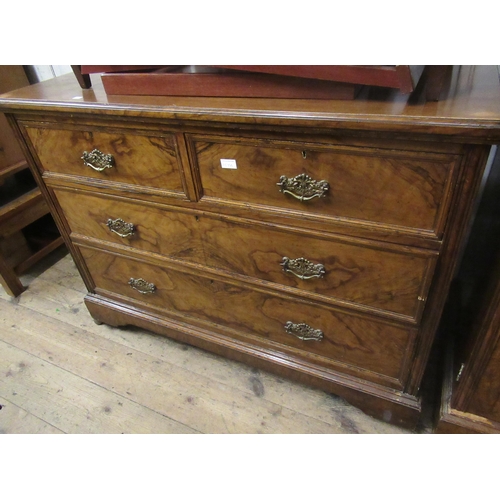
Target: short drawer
348,342
129,158
391,187
139,226
382,278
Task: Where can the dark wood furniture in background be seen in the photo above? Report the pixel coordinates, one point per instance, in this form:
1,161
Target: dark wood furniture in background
294,82
404,78
27,231
315,239
471,391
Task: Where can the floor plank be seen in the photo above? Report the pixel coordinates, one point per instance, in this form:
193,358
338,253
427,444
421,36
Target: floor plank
71,403
202,403
16,420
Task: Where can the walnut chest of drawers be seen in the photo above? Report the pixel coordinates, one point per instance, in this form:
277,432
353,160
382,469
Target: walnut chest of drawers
314,239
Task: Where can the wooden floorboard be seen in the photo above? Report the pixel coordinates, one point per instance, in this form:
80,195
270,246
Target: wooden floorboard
16,420
62,373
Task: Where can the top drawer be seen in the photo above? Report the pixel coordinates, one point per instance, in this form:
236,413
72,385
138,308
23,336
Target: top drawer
389,187
129,158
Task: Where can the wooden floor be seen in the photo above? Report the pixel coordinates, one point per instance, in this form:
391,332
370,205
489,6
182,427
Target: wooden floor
62,373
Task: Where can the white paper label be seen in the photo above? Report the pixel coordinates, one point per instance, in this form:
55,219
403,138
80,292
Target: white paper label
228,164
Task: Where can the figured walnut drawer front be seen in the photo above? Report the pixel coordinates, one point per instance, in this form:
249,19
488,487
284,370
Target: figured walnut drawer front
346,340
387,278
401,188
135,159
134,225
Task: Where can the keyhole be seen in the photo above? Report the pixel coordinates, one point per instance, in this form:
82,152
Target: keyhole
304,154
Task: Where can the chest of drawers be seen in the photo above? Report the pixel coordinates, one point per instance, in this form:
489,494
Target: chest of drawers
315,239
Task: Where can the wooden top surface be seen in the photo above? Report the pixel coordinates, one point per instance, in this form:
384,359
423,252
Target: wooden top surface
469,106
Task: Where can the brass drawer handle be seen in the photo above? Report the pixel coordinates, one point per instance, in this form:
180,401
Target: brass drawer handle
303,187
142,286
120,227
97,160
303,268
303,331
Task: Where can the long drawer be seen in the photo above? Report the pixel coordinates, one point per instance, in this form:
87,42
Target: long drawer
380,278
343,340
392,187
121,157
384,278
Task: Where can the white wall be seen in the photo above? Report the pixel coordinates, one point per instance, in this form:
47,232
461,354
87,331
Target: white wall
38,73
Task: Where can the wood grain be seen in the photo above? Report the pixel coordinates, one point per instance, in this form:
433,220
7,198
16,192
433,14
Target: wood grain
392,279
384,279
404,78
10,152
396,188
11,78
22,211
227,85
36,385
486,399
9,280
477,392
449,419
350,340
16,420
156,229
139,160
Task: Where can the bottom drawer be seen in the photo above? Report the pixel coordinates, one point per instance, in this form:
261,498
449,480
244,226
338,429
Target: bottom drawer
374,350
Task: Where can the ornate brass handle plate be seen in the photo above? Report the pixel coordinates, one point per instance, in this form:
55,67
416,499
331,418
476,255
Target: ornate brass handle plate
97,160
120,227
303,268
142,286
303,187
303,331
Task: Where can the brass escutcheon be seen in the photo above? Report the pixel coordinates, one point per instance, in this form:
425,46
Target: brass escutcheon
142,286
303,331
120,227
303,187
97,160
303,268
